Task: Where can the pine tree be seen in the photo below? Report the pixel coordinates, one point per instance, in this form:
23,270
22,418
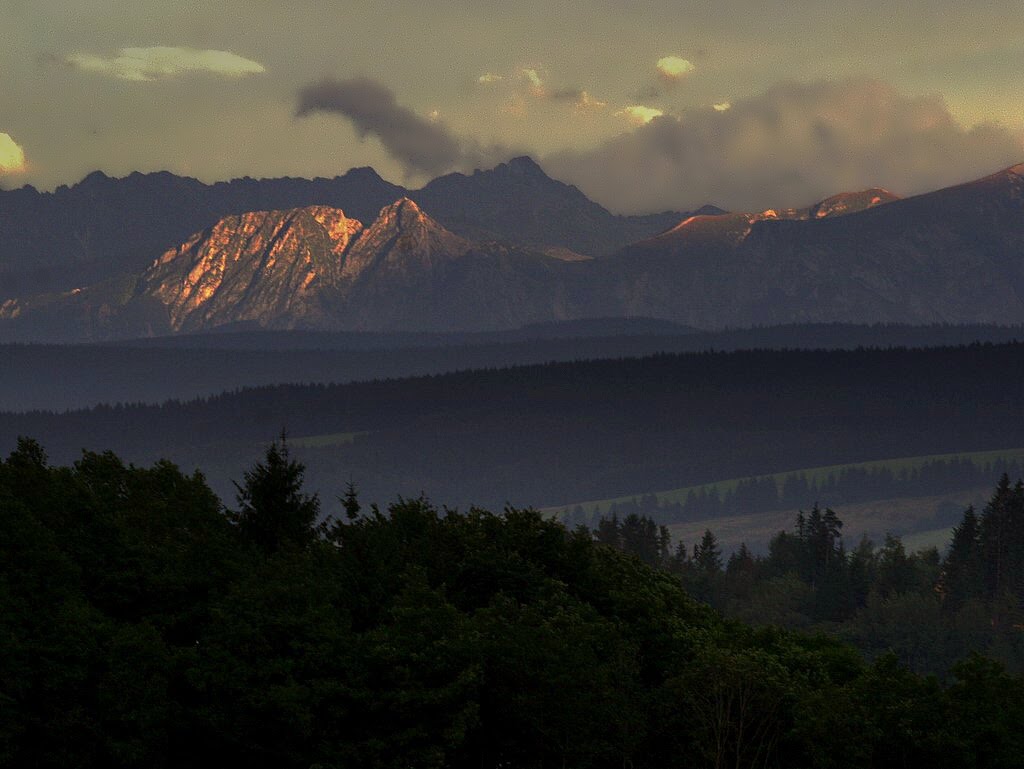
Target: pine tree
707,556
961,573
350,502
995,538
273,512
609,532
741,563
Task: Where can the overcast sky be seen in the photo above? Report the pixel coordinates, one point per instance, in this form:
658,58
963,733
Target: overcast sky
645,105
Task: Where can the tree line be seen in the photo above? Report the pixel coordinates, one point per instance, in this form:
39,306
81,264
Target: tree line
547,434
849,485
145,624
927,608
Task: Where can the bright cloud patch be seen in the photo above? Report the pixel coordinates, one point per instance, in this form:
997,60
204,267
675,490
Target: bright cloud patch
789,146
489,77
12,156
674,67
639,114
534,77
162,62
585,102
722,106
535,81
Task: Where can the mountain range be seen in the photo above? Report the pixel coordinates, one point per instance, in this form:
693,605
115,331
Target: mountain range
513,255
104,227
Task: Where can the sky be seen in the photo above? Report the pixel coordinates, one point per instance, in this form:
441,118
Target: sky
646,106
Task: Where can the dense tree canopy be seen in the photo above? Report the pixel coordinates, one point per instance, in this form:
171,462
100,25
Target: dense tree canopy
928,609
143,626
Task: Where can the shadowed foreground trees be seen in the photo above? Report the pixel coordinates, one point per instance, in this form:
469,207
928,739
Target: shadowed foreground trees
141,627
930,610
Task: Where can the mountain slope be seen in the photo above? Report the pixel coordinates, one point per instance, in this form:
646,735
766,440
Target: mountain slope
260,267
311,268
102,228
952,256
948,256
518,203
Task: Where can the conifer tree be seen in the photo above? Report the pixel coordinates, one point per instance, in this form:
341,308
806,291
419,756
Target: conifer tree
273,512
995,538
961,575
609,531
707,556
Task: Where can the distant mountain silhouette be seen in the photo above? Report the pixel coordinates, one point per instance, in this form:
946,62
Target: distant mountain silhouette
518,203
104,227
949,256
312,268
952,256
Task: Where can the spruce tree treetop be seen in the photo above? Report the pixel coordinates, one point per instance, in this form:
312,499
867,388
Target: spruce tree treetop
273,512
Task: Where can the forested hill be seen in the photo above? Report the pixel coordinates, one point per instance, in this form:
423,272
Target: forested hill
552,434
144,627
59,377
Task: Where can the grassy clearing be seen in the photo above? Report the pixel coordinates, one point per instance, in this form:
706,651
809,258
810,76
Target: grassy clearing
813,474
325,441
922,540
911,518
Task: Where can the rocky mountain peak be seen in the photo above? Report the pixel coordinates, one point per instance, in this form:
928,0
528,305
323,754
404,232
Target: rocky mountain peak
401,236
851,202
341,230
367,173
252,267
403,214
523,165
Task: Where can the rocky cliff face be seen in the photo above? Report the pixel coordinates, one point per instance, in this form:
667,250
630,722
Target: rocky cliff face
401,241
296,268
311,267
267,267
104,228
953,256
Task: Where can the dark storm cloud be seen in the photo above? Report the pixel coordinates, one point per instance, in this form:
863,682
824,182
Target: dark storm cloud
791,145
421,145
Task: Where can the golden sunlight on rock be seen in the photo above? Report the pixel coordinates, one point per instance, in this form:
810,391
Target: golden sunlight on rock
12,156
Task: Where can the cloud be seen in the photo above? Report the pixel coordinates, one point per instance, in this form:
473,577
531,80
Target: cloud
673,68
12,156
535,81
587,103
582,100
422,145
529,84
638,114
670,71
722,106
163,62
794,144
